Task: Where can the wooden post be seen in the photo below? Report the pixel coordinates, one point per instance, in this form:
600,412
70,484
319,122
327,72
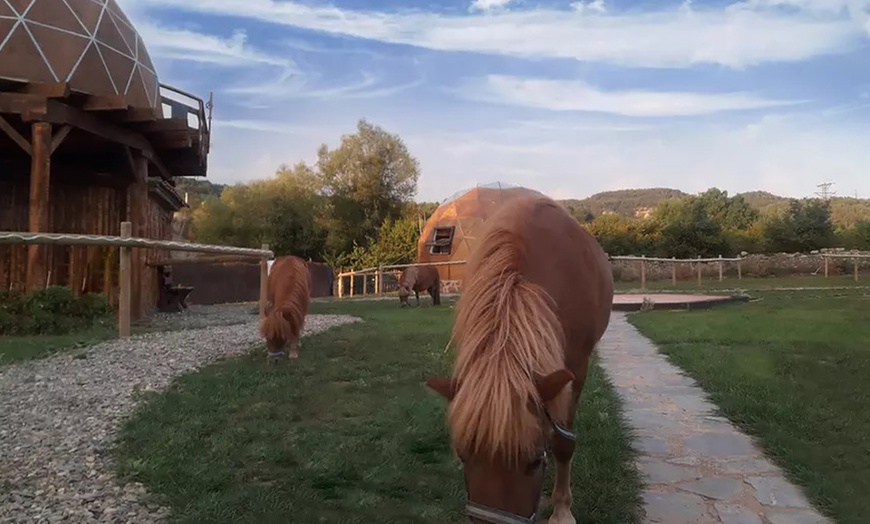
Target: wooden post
40,176
352,284
740,269
720,268
827,259
137,196
264,282
699,271
856,268
340,285
674,270
125,284
643,272
379,282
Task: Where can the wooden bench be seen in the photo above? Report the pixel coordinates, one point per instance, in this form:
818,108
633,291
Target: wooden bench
172,298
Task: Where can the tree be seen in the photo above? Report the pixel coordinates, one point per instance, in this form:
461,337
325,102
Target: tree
619,235
687,231
369,178
806,226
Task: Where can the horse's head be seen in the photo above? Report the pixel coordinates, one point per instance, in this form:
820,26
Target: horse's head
404,293
504,489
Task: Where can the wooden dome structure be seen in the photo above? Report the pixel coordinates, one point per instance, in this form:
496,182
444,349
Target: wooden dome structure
452,232
88,138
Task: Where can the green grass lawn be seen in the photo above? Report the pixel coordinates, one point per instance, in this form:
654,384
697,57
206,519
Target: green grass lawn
711,284
17,349
793,369
348,433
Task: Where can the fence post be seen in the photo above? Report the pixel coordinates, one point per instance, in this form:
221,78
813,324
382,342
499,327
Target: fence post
643,272
352,284
740,268
125,280
674,270
720,268
699,270
378,278
826,265
341,285
856,268
264,282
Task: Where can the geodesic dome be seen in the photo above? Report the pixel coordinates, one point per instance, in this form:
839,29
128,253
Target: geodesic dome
453,230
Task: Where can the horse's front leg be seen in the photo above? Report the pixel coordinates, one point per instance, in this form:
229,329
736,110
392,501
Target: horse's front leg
294,349
563,452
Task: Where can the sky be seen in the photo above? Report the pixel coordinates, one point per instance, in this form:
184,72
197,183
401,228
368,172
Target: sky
569,97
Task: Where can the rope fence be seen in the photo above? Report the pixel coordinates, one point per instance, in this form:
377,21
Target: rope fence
125,243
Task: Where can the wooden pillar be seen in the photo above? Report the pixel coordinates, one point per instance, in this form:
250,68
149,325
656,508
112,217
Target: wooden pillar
720,268
674,270
340,285
739,269
124,298
264,283
827,262
352,284
699,271
856,268
379,282
137,196
643,272
40,176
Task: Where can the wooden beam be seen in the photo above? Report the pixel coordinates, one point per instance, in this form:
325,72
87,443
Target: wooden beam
40,173
137,196
105,103
21,104
138,114
48,90
214,259
59,137
16,137
58,113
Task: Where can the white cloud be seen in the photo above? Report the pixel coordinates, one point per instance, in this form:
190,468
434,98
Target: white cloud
572,95
488,5
184,45
739,35
595,6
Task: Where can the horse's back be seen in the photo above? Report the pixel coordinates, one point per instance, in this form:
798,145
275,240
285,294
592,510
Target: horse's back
288,273
563,258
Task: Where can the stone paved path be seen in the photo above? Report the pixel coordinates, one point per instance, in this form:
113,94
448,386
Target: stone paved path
699,468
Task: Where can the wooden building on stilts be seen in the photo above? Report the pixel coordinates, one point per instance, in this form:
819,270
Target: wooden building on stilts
88,138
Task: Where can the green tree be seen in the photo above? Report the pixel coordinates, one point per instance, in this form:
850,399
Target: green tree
369,178
686,230
805,226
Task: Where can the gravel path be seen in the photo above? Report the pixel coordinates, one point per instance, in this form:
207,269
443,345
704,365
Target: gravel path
699,468
59,416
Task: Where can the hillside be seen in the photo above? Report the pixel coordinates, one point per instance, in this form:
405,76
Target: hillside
624,201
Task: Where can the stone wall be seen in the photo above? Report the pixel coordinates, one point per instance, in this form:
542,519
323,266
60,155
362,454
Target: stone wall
773,265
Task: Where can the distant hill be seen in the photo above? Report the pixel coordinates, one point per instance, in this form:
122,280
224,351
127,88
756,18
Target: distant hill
845,211
625,202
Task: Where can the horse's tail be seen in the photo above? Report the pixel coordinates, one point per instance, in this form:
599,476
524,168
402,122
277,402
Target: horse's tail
507,332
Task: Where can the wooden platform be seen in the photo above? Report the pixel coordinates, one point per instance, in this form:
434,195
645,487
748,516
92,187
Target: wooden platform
633,302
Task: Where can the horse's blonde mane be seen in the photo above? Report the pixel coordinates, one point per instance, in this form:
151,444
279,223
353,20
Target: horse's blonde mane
507,333
289,292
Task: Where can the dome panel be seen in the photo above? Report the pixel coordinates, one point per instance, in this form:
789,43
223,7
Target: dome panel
58,28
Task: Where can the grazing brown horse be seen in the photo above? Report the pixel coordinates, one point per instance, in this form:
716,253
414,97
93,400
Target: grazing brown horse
417,279
288,297
536,301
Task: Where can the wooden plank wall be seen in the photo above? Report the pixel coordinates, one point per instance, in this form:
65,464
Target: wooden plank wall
86,210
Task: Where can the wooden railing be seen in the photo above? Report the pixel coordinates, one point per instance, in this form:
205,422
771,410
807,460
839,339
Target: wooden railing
855,257
720,261
198,107
125,243
378,273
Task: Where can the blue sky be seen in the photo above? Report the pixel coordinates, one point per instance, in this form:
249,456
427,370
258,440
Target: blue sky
568,97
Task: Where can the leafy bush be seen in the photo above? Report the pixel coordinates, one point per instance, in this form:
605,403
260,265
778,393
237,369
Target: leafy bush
50,311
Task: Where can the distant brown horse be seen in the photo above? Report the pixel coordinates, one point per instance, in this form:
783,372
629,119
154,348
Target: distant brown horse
417,279
536,301
288,297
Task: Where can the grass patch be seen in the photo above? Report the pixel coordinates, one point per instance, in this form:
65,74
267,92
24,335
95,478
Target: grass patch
791,369
347,434
20,348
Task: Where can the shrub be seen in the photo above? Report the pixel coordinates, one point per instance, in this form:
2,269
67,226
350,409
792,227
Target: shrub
50,311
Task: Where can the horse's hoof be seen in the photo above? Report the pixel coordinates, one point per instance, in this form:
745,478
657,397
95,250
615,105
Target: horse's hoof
293,355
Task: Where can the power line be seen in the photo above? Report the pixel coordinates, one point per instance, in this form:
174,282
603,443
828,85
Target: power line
825,192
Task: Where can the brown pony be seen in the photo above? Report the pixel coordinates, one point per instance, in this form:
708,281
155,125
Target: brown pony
288,297
417,279
537,299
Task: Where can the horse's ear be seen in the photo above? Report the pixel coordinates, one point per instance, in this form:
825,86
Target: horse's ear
444,386
551,385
